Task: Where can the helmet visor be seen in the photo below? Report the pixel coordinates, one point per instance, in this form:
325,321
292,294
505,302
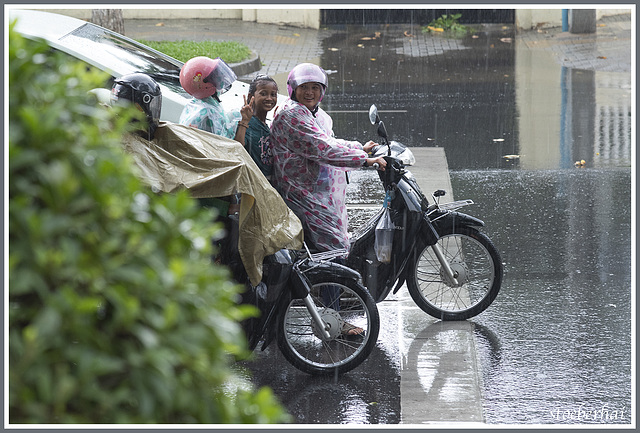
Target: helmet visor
222,77
154,107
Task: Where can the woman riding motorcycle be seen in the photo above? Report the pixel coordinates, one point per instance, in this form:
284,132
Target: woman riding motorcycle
310,163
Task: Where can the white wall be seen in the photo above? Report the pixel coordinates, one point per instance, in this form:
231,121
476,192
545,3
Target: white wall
527,19
308,18
607,12
85,14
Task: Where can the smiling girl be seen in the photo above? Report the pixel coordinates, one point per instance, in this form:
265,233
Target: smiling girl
263,96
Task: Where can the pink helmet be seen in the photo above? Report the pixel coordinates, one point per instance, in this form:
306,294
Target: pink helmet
202,77
306,73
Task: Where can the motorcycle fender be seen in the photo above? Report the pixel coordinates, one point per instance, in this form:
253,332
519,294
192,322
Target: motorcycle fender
453,219
300,284
400,282
301,277
429,231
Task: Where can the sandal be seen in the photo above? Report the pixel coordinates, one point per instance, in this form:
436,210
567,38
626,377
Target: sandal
350,330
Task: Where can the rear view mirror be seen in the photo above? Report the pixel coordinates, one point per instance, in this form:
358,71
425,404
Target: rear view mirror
373,114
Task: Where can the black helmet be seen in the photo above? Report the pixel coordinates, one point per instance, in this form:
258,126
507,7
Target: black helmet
144,92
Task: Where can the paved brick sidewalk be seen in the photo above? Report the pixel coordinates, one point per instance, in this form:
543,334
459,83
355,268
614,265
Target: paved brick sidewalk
280,48
609,49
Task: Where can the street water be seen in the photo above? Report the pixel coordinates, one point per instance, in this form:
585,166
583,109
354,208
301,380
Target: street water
561,326
545,152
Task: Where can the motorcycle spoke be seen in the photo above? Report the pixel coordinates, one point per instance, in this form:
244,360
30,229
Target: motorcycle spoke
434,288
338,305
472,265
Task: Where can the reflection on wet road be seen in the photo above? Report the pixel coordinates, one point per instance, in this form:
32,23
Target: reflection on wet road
369,395
489,103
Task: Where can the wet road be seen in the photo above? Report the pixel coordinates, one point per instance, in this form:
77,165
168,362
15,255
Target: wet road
555,347
562,322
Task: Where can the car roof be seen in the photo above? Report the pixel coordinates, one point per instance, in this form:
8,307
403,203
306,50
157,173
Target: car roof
81,39
40,24
106,50
68,34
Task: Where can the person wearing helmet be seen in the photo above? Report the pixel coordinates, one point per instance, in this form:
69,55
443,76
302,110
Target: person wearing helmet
171,157
309,163
142,91
206,79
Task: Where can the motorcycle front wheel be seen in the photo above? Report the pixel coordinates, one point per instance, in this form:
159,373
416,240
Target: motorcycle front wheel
478,268
353,321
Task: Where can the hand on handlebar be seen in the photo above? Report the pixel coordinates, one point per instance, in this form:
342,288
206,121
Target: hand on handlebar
369,145
378,163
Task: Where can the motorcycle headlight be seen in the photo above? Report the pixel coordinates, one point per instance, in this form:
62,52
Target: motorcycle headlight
407,157
397,150
409,176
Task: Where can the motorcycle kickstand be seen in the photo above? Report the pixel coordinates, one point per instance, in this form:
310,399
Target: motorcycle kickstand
322,325
445,264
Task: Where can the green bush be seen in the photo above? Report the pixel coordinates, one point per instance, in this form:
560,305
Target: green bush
448,23
116,314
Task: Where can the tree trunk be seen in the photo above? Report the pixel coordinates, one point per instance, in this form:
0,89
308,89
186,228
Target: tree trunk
111,19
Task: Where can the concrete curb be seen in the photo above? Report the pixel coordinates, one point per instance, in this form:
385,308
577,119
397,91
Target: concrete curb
246,67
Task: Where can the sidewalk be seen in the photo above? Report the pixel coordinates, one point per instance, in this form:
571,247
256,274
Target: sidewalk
280,48
609,49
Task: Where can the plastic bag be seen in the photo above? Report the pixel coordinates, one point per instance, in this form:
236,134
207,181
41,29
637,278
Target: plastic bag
384,237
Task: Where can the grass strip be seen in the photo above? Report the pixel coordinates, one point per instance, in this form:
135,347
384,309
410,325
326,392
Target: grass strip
229,51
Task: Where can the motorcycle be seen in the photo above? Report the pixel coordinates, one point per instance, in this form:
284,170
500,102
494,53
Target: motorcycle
453,271
324,320
322,317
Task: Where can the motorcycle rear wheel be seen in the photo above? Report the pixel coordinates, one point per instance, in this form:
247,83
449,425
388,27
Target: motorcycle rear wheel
474,259
305,348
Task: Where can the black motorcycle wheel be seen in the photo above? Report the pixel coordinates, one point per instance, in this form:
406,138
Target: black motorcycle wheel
475,260
305,348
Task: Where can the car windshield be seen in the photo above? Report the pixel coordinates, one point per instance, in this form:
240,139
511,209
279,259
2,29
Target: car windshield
120,54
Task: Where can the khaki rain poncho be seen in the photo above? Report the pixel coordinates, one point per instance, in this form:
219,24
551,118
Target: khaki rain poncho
209,165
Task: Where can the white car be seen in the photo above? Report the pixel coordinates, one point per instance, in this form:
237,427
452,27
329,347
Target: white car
117,55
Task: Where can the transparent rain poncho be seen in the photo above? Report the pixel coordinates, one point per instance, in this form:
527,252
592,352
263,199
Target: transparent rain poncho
309,172
208,115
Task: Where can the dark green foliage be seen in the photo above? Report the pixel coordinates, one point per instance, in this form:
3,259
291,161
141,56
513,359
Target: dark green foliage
116,314
449,24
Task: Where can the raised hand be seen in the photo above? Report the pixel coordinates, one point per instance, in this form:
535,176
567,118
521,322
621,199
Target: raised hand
247,109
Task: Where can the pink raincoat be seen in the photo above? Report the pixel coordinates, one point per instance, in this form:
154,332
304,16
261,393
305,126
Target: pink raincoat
309,166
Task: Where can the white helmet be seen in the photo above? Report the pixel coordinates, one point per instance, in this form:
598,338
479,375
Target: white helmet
306,73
